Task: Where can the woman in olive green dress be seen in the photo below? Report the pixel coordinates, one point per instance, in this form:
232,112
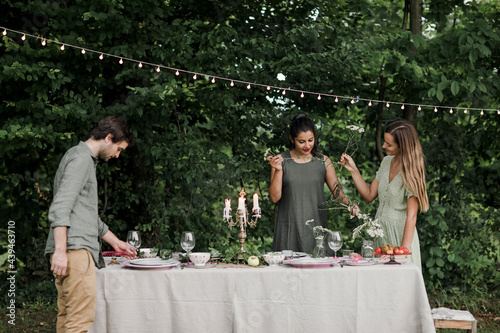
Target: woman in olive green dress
399,185
298,177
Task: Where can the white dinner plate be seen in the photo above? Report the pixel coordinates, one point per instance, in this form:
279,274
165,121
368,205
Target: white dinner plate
170,265
362,263
153,262
311,262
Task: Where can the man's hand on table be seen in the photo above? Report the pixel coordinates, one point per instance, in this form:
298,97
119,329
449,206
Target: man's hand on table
121,246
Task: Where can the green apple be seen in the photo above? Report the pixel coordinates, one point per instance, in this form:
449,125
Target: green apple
253,261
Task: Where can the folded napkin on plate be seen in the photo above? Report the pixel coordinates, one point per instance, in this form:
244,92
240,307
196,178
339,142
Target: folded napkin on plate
113,253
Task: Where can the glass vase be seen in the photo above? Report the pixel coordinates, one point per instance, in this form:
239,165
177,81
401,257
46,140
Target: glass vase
319,249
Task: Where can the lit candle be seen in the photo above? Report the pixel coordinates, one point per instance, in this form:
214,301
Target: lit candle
255,201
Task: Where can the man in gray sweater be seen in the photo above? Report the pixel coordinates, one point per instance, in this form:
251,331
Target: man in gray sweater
75,227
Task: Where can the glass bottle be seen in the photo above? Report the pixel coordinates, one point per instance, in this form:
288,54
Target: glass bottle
367,250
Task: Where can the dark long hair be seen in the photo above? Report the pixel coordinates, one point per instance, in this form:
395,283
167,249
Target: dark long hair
302,123
117,127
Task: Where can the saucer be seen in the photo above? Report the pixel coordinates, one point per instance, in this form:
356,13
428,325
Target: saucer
207,265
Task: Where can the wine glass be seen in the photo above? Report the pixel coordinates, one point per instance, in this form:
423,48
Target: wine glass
335,241
134,239
187,241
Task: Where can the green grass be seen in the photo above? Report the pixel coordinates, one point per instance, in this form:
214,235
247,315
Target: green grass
483,305
36,317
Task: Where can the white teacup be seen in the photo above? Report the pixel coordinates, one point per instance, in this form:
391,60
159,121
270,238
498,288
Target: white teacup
199,258
147,252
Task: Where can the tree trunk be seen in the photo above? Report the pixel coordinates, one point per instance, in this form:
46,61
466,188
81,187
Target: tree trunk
380,110
415,17
410,111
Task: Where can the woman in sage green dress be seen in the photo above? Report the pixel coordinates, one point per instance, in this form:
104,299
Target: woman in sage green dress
399,185
297,187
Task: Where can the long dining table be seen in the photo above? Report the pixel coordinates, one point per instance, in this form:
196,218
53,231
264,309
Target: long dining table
230,298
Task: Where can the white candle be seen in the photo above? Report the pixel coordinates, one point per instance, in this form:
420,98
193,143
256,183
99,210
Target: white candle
255,201
241,203
228,204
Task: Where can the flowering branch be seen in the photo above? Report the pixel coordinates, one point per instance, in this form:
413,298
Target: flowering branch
373,227
340,201
352,141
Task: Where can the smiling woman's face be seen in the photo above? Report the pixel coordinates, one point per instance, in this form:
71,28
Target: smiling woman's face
391,148
304,142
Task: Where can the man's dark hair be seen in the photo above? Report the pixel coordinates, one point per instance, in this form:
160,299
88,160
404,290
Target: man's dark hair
117,127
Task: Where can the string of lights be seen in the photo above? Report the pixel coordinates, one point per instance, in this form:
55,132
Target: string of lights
249,85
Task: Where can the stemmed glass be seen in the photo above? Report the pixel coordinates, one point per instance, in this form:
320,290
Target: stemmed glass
335,241
134,239
187,241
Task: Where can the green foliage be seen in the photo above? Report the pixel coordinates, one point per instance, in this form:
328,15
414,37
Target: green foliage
199,142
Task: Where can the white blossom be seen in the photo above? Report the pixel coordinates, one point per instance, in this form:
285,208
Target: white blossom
266,154
373,227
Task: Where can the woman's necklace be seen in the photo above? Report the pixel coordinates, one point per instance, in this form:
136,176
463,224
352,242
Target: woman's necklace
298,157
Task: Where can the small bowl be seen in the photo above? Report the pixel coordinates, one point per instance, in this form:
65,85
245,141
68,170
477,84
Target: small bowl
274,258
165,254
199,258
147,253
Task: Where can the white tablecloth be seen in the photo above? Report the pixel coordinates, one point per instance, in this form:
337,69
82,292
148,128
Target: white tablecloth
380,298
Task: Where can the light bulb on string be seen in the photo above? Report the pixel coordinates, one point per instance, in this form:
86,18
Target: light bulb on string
387,105
232,83
5,32
498,111
194,77
370,103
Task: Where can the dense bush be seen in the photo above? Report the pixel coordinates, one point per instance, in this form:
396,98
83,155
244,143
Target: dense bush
200,142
